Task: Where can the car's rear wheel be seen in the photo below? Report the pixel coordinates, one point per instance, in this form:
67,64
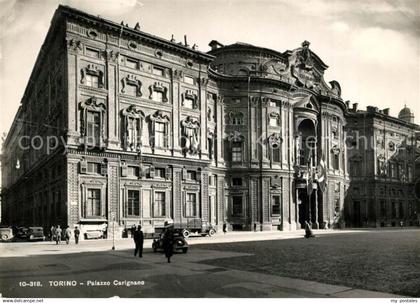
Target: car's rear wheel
185,233
212,232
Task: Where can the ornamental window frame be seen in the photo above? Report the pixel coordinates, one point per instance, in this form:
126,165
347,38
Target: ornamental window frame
132,141
158,87
92,70
274,119
189,97
131,80
92,105
159,117
236,118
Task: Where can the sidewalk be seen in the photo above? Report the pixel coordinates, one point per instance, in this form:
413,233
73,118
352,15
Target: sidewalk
15,249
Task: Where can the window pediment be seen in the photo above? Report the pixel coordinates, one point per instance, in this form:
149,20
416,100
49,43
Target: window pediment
92,70
190,95
93,104
131,80
159,87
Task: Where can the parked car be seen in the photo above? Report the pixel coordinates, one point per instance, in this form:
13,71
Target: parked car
93,234
35,233
195,226
6,233
21,233
180,244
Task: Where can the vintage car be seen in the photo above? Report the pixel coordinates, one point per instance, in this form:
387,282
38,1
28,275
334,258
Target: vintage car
195,226
21,233
35,233
180,244
6,233
93,234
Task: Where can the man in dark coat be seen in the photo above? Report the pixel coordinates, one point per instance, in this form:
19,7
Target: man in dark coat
308,230
168,243
76,234
138,240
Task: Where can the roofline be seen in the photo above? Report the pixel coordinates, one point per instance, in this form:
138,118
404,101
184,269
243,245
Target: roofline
383,116
65,9
249,47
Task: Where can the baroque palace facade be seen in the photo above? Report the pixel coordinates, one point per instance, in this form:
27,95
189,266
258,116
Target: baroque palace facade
120,126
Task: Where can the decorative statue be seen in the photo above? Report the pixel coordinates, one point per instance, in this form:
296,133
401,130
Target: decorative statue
190,133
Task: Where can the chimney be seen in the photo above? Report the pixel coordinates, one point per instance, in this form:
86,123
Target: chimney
386,111
355,106
185,41
348,103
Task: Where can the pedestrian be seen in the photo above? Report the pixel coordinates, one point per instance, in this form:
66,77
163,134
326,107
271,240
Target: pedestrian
308,230
52,233
138,241
105,231
224,227
58,232
401,224
67,234
255,226
76,235
168,243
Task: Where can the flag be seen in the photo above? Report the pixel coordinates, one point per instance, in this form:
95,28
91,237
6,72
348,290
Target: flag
322,174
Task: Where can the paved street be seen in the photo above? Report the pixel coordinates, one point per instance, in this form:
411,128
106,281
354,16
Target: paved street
213,267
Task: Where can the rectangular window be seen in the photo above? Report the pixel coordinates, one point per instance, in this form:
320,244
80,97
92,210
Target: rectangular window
132,63
92,81
93,128
133,171
237,181
191,175
157,96
237,207
400,210
157,71
275,205
189,80
274,121
91,52
191,205
336,162
188,103
160,173
383,208
93,168
236,152
131,90
93,203
160,204
160,134
133,133
276,154
133,203
394,209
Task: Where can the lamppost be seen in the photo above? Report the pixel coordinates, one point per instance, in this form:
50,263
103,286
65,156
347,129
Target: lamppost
113,231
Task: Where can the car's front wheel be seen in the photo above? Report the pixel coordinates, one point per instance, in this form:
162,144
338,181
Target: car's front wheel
154,246
212,232
184,250
4,237
185,233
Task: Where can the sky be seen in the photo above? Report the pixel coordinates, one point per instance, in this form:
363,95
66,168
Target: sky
372,47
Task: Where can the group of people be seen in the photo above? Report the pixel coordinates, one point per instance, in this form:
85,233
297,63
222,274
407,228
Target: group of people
57,234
